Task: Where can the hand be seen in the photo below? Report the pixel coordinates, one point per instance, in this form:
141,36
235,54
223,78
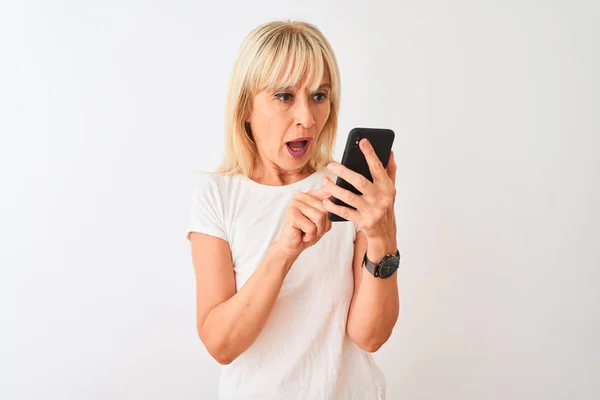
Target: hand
374,212
305,222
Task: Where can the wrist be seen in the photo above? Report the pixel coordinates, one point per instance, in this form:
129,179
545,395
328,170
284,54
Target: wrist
283,257
379,247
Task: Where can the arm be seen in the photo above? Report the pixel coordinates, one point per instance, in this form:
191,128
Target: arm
229,322
375,304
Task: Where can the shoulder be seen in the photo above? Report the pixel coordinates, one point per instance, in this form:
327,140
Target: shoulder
208,208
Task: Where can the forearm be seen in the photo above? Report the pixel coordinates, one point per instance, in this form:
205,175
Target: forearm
231,327
376,307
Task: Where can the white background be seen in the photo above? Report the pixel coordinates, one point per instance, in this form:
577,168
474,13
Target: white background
107,110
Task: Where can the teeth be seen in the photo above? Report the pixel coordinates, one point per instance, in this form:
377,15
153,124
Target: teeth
299,145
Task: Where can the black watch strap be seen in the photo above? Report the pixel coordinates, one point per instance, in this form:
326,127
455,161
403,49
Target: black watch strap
374,268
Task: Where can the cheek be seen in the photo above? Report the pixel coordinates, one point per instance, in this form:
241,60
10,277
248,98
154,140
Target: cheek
268,128
323,114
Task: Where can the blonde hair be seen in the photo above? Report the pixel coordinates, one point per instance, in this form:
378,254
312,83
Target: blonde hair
277,54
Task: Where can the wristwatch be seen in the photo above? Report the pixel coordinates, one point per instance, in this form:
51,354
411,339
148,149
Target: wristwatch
385,268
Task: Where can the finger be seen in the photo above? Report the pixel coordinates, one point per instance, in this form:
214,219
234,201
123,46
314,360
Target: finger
327,224
377,169
319,194
302,222
313,201
341,211
314,210
354,178
345,195
392,167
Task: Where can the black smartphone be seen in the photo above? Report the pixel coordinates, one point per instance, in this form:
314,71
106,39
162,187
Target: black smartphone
354,159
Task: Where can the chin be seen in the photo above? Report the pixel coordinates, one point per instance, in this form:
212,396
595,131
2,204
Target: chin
299,162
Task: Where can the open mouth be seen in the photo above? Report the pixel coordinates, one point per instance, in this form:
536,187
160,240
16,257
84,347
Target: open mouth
298,148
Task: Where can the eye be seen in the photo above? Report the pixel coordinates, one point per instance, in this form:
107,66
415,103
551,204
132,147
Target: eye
320,97
285,97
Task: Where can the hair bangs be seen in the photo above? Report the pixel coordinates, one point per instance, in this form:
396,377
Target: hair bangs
293,60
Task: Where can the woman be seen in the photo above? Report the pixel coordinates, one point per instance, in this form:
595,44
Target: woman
283,300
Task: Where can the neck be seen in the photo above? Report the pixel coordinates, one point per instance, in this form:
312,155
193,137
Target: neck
271,174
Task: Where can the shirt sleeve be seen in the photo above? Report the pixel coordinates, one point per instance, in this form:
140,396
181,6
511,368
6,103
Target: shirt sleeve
206,214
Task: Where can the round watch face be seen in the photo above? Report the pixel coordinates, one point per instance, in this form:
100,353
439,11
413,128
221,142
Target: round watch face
388,267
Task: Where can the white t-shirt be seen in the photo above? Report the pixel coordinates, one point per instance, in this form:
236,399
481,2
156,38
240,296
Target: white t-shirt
304,351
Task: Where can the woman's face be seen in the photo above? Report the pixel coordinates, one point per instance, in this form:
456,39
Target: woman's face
286,123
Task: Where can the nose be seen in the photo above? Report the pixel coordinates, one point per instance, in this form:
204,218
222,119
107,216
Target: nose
304,115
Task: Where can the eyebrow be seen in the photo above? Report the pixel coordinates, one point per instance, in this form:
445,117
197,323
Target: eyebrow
323,86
